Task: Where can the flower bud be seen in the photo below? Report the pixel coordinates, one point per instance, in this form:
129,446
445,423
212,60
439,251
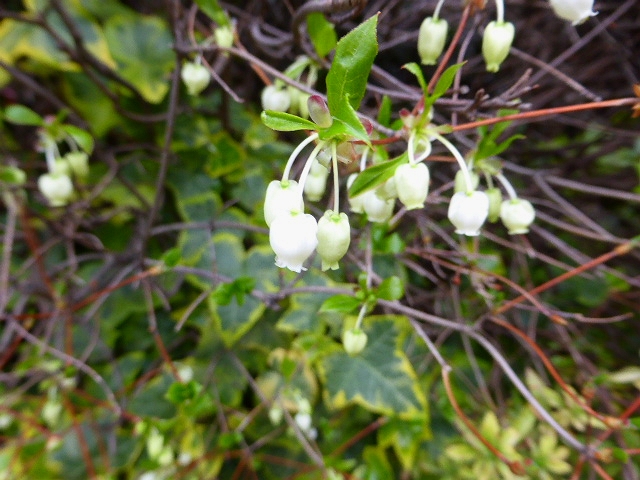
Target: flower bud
495,203
355,203
315,187
412,184
334,237
388,190
461,181
354,341
576,11
468,211
195,77
496,42
517,214
223,36
78,163
282,197
377,209
57,188
274,98
431,39
293,238
319,111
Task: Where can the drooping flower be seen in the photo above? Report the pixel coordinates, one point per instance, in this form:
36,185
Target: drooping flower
56,187
431,39
412,184
334,237
495,203
293,238
377,209
274,98
468,211
354,340
517,214
461,182
496,42
575,11
316,182
282,197
195,76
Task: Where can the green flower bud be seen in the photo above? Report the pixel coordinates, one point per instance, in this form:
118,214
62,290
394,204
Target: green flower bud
495,203
274,98
496,42
195,77
334,237
461,181
319,111
431,39
78,164
517,214
57,188
354,341
223,36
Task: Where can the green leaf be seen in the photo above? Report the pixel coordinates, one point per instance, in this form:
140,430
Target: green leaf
141,47
91,102
214,11
375,175
12,175
380,378
417,71
224,155
391,289
21,115
183,392
340,304
238,289
444,83
347,77
322,34
286,122
82,138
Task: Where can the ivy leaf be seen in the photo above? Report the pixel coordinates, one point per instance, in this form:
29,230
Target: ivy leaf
21,115
374,176
380,378
322,34
347,77
286,122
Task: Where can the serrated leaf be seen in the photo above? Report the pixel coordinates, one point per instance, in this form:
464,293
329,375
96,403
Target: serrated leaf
340,304
21,115
347,77
375,176
391,289
380,378
286,122
322,34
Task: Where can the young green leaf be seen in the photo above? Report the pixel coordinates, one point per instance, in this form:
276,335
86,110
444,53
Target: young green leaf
444,83
374,176
82,138
417,71
340,304
347,77
21,115
214,11
286,122
322,34
391,289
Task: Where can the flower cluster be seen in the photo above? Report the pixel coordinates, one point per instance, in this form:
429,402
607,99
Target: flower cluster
56,185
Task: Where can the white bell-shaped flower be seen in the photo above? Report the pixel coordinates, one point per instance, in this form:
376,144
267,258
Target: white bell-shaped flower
496,42
412,184
293,238
56,187
282,197
316,182
468,211
388,190
377,209
356,203
575,11
274,98
354,340
195,77
78,163
431,39
334,237
517,214
495,203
